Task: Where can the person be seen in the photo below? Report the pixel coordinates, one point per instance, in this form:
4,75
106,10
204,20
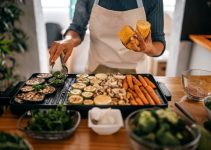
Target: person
106,18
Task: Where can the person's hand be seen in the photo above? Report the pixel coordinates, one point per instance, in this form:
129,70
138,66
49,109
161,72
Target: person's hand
63,46
145,45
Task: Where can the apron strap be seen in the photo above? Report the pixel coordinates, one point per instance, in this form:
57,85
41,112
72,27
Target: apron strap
97,1
139,3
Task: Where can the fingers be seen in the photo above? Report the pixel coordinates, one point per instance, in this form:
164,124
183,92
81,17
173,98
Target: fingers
140,39
149,37
52,49
56,54
142,43
67,54
134,46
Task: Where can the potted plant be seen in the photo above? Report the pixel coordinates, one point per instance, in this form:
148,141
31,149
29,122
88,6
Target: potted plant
12,39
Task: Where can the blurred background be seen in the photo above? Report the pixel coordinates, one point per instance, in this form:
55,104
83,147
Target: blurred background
186,24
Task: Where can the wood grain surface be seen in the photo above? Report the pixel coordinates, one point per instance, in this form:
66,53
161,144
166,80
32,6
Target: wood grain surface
85,139
202,40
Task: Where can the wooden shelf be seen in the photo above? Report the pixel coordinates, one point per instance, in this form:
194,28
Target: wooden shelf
202,40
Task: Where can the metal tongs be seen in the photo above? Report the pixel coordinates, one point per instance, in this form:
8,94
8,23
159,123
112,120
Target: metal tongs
64,67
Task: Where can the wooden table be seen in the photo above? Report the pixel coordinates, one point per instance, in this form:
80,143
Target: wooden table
85,138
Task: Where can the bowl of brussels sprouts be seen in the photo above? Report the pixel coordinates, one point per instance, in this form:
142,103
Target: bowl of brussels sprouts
160,129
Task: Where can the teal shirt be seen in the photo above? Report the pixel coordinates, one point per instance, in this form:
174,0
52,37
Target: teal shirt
153,9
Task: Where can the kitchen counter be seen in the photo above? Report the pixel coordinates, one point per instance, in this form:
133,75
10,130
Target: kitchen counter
202,40
85,138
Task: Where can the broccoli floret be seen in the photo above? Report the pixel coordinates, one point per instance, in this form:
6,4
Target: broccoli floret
169,139
168,115
149,137
147,122
165,137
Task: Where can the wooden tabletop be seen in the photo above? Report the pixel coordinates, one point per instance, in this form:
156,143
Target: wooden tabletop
85,138
202,40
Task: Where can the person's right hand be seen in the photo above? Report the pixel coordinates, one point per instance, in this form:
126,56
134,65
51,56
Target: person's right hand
66,46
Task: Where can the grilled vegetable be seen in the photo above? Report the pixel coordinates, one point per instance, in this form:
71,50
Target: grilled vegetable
34,81
31,96
27,88
102,100
83,80
87,94
47,90
75,99
88,102
79,86
89,89
101,76
44,75
75,92
82,75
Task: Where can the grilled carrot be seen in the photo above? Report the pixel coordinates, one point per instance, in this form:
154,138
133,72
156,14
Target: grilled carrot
142,80
125,85
129,81
136,81
153,95
132,100
137,99
140,94
149,82
150,100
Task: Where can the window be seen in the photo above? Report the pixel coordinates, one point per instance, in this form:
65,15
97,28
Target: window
72,7
55,3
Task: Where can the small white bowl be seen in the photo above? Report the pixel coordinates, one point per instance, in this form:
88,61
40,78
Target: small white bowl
206,100
107,129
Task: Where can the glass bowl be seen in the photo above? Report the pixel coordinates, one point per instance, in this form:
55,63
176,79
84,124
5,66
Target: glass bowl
197,84
48,135
139,143
208,108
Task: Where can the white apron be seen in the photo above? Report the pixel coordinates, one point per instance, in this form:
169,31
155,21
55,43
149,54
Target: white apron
105,46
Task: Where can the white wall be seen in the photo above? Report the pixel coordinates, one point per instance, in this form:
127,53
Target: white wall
56,11
174,50
200,58
36,58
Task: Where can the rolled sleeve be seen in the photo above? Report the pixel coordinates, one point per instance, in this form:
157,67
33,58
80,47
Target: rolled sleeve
155,16
80,19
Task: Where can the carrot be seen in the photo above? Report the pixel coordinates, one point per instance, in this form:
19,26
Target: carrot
136,81
140,94
153,95
137,99
149,82
150,100
129,81
132,100
125,85
142,80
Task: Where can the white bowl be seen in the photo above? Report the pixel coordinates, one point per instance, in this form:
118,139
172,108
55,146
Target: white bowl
109,129
206,100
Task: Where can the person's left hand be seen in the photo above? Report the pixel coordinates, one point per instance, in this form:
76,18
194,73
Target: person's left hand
145,45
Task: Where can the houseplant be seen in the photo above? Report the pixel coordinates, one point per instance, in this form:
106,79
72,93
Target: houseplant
12,39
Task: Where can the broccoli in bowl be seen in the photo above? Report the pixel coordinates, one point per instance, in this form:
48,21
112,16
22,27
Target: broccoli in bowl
160,129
